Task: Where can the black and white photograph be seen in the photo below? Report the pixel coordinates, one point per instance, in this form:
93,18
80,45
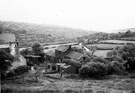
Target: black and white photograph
67,46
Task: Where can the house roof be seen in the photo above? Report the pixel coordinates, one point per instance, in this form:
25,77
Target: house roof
51,53
6,38
63,48
75,55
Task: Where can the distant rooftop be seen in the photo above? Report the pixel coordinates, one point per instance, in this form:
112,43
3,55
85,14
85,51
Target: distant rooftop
6,38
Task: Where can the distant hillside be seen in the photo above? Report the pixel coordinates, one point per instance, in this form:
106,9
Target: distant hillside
122,34
29,33
124,30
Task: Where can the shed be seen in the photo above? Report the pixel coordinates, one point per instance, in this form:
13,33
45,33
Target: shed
32,58
52,60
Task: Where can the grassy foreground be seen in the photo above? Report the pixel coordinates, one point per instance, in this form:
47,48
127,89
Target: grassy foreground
69,84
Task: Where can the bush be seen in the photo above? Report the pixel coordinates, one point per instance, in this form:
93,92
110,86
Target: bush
93,69
6,60
127,52
18,71
116,67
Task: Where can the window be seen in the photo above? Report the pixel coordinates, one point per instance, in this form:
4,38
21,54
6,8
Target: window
48,66
84,58
53,67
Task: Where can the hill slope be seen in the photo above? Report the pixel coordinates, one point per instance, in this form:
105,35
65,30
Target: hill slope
28,33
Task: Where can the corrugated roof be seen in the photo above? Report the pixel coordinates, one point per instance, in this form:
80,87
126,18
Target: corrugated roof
6,38
74,55
63,48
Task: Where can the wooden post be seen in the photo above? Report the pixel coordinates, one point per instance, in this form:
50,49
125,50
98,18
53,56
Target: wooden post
45,66
36,78
60,72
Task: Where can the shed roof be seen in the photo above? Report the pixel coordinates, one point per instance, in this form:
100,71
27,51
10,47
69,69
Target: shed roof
6,38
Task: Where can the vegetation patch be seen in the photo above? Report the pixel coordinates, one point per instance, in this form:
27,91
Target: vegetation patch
93,69
116,67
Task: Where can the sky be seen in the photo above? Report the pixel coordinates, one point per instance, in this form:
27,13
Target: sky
98,15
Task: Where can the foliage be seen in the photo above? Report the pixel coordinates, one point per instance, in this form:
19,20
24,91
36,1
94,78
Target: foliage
26,51
37,48
118,58
93,69
18,71
116,67
127,52
5,62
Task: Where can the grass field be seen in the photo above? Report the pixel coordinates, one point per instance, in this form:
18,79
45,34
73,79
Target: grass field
101,53
104,46
117,41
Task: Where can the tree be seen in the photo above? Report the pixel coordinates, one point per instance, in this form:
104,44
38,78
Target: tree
37,48
5,62
93,69
127,52
26,51
115,67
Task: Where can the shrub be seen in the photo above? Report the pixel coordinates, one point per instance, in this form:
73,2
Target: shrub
127,52
116,67
6,60
18,71
93,69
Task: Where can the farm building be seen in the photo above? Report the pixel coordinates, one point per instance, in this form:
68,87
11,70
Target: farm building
74,66
75,59
63,53
51,60
32,59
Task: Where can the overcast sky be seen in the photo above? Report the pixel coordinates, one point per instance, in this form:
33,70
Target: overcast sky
100,15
